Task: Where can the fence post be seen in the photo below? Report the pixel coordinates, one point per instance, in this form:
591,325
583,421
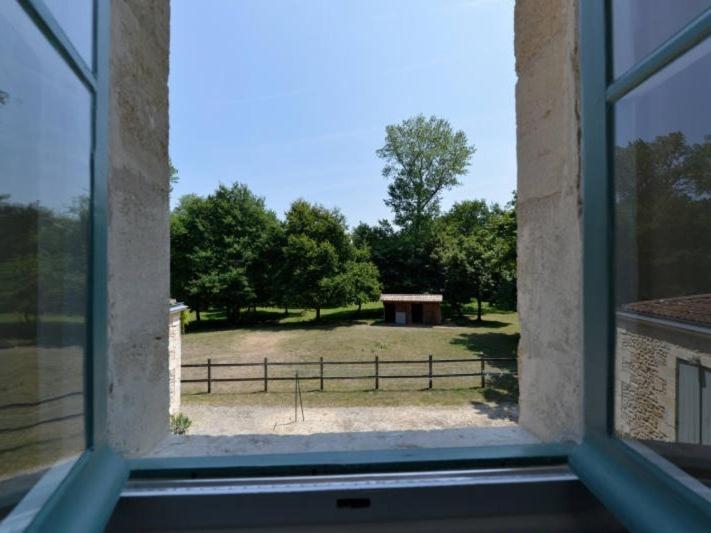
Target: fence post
321,366
209,375
266,375
430,364
377,373
483,373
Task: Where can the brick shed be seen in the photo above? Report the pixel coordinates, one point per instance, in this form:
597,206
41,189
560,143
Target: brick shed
404,309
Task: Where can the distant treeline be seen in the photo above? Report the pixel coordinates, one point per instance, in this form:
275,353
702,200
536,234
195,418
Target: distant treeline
229,251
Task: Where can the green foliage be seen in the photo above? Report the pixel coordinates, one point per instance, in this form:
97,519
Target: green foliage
184,320
174,176
230,252
219,250
43,259
179,424
663,201
423,158
320,262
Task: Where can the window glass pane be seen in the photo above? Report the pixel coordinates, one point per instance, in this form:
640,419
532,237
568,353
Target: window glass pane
76,17
663,286
45,146
639,26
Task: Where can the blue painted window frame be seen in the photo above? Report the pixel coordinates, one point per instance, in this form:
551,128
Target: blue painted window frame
640,489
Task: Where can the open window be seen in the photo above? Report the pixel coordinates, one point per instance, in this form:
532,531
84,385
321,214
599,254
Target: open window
641,449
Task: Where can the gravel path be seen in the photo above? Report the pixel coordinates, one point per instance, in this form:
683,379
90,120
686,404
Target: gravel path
222,430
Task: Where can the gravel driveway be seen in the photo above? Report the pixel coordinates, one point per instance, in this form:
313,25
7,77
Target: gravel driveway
223,430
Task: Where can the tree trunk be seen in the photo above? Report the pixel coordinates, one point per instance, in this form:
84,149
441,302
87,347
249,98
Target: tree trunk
478,305
318,313
286,311
360,305
197,314
233,314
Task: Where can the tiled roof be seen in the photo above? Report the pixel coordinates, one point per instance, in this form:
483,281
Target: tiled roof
410,297
694,309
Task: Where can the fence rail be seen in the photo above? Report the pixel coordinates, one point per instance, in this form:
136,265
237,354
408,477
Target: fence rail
375,363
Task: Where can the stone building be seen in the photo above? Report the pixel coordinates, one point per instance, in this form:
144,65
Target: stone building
175,332
663,370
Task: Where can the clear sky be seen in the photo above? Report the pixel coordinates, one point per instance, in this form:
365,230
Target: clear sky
292,97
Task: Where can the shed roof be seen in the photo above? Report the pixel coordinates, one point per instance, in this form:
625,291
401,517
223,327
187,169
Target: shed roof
694,309
410,297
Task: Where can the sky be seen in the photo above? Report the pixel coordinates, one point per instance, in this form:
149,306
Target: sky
291,97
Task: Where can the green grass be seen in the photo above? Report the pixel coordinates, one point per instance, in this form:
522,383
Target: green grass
343,335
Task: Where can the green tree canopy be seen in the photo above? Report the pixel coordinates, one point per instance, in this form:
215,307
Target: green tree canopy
423,158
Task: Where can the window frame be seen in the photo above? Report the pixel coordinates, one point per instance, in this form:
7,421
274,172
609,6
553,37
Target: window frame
641,489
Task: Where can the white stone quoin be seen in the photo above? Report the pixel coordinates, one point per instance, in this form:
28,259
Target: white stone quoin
175,355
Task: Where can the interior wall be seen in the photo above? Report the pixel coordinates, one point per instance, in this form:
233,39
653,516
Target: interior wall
549,218
138,228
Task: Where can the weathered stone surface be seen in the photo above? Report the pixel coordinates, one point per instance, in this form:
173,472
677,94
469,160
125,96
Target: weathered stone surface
549,218
138,239
646,383
175,356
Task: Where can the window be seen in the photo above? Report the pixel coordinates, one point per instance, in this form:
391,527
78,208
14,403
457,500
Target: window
662,174
693,400
49,173
644,306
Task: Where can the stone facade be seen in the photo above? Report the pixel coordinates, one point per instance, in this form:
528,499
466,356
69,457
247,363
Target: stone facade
549,218
647,356
175,351
138,244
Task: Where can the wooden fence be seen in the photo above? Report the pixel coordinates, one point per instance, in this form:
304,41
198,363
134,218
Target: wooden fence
375,364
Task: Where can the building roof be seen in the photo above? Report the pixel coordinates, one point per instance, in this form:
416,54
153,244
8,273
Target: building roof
410,297
176,307
695,309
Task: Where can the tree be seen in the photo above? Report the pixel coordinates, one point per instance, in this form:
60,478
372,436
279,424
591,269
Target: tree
220,250
662,206
468,271
317,247
239,226
174,175
191,256
423,158
361,282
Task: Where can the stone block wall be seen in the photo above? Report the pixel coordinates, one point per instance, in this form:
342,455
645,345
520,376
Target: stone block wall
138,226
175,350
549,218
646,383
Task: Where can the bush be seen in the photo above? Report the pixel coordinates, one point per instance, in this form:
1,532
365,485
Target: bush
179,424
184,320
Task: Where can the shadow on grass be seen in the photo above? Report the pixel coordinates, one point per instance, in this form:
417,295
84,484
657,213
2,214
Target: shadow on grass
490,345
468,322
278,321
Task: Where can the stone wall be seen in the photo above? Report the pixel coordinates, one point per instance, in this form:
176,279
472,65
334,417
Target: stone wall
138,229
646,380
175,355
549,218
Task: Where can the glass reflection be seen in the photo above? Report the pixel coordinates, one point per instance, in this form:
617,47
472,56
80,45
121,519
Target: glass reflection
663,260
76,17
45,146
640,26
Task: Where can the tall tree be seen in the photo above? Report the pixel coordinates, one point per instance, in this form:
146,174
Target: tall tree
423,158
239,229
317,247
360,281
191,256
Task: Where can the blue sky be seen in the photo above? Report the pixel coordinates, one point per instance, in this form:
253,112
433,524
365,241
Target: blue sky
292,97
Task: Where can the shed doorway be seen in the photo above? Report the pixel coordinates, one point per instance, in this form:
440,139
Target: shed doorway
417,313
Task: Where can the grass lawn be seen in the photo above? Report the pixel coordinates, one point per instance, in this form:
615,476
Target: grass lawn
343,335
